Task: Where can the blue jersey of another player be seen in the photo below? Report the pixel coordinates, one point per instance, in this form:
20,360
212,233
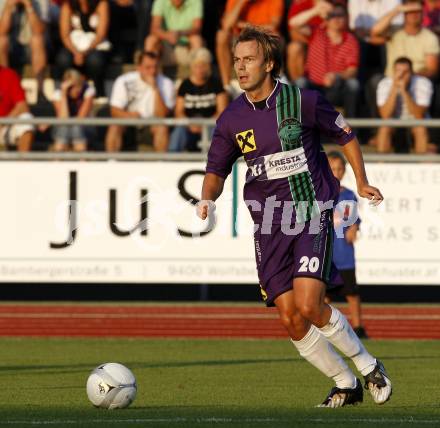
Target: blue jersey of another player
346,208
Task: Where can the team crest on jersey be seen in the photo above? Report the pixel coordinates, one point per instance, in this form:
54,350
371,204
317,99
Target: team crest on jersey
289,132
246,141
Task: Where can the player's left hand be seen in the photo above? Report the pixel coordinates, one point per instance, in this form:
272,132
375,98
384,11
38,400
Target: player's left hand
205,208
371,193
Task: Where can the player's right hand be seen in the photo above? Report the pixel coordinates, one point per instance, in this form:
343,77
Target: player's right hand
204,207
371,193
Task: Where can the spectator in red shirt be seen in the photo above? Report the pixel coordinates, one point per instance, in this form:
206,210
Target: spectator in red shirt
304,18
13,104
431,15
333,61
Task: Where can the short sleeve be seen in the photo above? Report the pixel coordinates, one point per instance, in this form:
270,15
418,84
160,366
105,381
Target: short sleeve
223,152
56,95
17,92
158,8
217,86
183,88
41,8
331,122
383,91
90,92
119,97
197,9
168,92
432,44
423,91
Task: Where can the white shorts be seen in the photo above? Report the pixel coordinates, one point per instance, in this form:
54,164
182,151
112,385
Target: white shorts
10,134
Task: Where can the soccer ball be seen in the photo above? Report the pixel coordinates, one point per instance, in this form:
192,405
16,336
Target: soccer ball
111,386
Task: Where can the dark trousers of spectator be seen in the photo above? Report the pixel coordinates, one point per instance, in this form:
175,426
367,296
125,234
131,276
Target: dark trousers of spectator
123,32
182,139
93,68
373,60
344,93
371,70
143,15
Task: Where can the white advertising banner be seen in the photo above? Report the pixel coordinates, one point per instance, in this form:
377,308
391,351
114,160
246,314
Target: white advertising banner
134,222
399,241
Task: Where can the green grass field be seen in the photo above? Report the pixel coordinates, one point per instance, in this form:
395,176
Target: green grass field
198,383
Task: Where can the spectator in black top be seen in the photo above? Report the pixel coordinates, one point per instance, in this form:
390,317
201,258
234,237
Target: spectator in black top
200,95
73,99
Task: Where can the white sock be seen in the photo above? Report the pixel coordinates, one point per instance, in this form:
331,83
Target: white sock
316,349
339,332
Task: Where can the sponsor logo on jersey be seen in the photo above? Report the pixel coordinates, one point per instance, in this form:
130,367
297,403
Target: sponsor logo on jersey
289,132
246,141
256,170
278,165
341,123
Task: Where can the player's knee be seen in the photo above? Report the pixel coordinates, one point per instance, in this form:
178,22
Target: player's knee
295,325
286,320
310,312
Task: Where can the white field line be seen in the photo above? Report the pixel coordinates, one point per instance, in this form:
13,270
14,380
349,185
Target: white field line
192,316
224,421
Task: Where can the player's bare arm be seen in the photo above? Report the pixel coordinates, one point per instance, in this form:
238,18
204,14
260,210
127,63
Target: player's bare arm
211,190
351,233
352,152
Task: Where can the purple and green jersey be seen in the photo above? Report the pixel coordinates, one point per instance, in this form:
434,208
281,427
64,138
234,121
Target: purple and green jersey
288,171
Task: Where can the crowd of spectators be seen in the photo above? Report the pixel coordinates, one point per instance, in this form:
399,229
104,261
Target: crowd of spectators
172,58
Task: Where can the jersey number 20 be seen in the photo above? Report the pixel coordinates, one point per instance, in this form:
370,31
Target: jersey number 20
308,265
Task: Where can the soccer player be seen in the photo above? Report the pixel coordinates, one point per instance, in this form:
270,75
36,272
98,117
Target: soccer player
347,222
289,191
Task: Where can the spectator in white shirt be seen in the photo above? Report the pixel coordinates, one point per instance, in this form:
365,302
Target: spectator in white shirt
363,15
403,96
141,94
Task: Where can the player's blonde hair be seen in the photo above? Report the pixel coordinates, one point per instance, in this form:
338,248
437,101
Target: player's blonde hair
270,44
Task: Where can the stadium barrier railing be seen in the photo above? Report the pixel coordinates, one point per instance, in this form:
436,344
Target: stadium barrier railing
206,125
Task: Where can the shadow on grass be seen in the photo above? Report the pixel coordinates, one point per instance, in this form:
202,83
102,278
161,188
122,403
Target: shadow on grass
69,368
145,365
